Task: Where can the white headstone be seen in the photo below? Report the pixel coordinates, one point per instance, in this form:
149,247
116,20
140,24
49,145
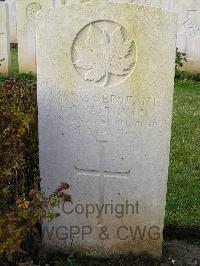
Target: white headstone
4,40
12,20
105,95
188,40
26,32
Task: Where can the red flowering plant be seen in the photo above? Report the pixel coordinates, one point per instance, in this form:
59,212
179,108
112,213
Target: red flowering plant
22,204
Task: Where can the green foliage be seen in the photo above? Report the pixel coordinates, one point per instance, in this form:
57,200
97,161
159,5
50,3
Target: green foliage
180,60
14,60
183,199
22,205
2,78
189,76
180,74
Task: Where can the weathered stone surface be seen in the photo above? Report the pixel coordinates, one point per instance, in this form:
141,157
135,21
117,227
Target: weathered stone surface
4,40
59,2
188,40
26,31
188,30
105,91
76,1
12,20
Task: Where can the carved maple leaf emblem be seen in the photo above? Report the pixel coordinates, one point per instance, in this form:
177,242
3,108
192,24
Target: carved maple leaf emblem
103,54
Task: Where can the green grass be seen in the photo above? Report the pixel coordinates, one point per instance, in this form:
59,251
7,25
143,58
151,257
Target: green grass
183,199
14,61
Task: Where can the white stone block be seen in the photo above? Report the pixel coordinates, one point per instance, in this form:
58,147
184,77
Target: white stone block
26,32
12,20
4,40
105,93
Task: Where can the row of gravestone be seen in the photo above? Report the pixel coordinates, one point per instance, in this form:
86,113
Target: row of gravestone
13,19
105,77
188,40
18,24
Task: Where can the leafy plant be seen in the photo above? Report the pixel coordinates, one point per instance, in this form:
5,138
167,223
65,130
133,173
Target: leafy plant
22,204
102,54
180,73
180,60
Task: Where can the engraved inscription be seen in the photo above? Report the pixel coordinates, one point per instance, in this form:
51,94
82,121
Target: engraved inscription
109,113
103,54
191,26
121,115
32,9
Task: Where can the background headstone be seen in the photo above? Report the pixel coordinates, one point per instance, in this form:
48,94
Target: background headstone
188,40
105,95
188,30
26,32
4,40
12,20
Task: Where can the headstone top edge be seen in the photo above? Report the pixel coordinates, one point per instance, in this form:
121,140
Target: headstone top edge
106,3
3,4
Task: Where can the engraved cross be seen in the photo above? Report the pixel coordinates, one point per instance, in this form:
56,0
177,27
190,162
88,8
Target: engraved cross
102,174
